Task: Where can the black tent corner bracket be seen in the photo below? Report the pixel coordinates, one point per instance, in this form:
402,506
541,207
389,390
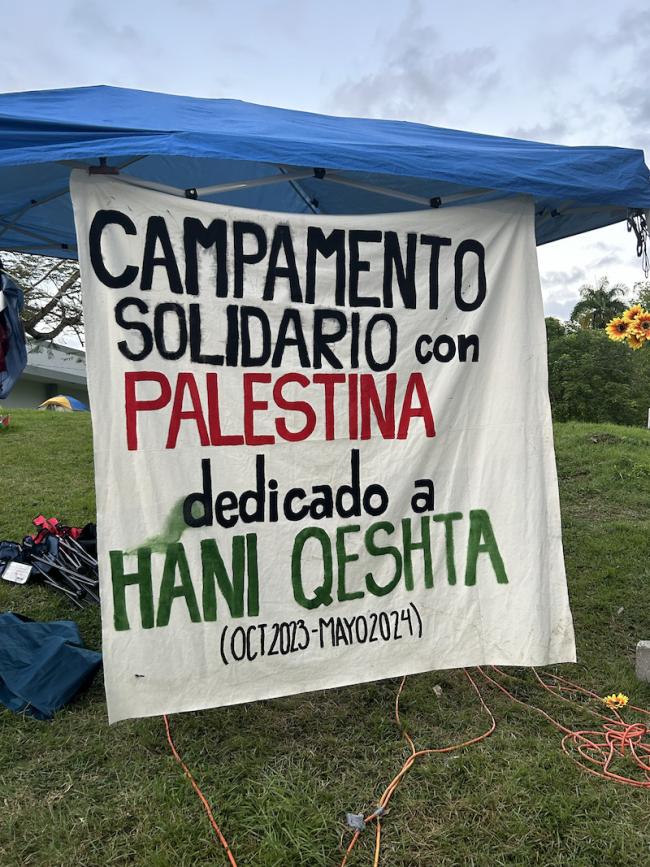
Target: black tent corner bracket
103,168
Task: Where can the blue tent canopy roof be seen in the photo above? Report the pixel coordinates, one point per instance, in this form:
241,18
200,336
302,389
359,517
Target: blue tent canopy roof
190,142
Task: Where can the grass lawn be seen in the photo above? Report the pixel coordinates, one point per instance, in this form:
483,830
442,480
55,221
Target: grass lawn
281,774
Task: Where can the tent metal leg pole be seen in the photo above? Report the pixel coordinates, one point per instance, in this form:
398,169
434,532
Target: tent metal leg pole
315,209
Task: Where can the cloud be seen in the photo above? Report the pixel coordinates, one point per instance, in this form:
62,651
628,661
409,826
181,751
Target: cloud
561,290
92,23
626,46
561,286
563,278
415,78
632,28
8,79
564,122
560,309
554,131
634,101
601,246
605,261
584,77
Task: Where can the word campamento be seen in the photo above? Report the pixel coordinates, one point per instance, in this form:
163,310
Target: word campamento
393,554
329,269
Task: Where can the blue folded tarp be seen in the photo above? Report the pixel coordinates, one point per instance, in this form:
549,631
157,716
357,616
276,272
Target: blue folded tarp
42,665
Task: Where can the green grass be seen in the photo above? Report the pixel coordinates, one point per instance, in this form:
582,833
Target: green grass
281,774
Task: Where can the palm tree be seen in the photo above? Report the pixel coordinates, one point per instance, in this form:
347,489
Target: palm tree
598,304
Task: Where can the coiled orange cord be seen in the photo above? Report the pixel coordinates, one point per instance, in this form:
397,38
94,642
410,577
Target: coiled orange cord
597,748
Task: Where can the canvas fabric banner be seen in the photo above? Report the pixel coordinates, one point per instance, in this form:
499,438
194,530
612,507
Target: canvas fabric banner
323,446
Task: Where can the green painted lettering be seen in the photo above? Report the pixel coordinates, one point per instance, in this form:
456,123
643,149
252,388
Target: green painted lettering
176,564
342,558
482,541
448,519
232,589
424,545
323,593
378,551
122,580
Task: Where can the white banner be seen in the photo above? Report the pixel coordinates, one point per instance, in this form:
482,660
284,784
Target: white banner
323,446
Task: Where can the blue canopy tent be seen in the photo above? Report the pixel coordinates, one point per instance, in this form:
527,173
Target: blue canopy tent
274,159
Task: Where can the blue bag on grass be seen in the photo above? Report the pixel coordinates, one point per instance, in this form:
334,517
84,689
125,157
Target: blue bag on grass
42,665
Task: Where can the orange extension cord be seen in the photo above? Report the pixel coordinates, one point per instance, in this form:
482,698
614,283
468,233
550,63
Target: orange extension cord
200,794
410,761
597,748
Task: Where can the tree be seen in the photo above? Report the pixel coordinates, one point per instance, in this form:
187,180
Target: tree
554,328
599,303
641,294
52,290
594,379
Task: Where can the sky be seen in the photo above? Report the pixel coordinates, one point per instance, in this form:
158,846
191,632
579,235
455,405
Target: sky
566,72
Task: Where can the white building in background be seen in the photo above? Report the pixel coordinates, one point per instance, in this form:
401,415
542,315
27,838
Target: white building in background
51,369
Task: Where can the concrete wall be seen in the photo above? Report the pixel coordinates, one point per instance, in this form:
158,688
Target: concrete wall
25,393
29,393
50,370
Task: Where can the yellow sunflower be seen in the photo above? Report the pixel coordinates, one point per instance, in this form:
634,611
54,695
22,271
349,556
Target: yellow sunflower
634,342
616,701
641,326
631,314
617,329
